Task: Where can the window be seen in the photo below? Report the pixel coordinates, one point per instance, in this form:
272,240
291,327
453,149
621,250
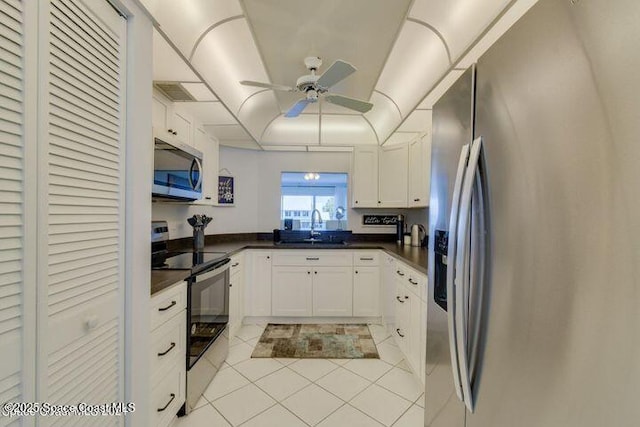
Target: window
302,193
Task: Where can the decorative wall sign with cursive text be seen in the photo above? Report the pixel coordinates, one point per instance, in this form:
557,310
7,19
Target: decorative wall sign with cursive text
384,220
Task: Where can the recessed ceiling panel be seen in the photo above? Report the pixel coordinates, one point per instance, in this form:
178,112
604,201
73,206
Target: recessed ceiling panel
417,62
418,121
400,137
346,130
284,148
360,32
227,55
247,144
460,22
167,64
440,89
384,116
186,21
199,91
227,132
258,111
209,113
301,130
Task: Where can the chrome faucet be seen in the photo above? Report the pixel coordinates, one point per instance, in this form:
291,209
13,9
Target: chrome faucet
313,222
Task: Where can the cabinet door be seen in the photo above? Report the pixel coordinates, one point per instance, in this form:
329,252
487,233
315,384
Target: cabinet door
389,293
364,177
393,176
419,171
366,291
291,291
258,285
332,291
414,332
182,127
210,156
159,110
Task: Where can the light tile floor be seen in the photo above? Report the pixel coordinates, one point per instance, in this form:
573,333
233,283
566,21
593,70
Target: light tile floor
310,392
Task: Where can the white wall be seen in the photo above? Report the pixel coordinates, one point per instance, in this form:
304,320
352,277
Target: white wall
257,205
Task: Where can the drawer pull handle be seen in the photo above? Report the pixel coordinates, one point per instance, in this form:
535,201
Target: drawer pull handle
399,273
173,396
366,259
416,200
168,307
399,300
312,258
412,282
235,264
398,332
167,350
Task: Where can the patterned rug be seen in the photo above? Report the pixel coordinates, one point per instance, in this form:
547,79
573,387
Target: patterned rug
316,341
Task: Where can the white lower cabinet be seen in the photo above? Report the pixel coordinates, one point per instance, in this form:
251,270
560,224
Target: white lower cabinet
236,293
167,353
258,284
291,291
409,318
366,291
332,291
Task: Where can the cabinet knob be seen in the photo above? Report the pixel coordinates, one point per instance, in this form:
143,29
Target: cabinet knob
416,200
315,272
230,285
308,272
356,271
379,201
356,202
268,257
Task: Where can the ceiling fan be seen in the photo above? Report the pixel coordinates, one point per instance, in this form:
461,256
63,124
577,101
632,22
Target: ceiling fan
313,85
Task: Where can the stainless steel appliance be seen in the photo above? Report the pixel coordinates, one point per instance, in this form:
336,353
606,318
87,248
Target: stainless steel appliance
534,227
177,170
207,309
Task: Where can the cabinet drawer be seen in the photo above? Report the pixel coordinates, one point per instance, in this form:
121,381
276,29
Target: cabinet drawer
167,303
417,282
168,346
167,397
306,258
364,258
237,263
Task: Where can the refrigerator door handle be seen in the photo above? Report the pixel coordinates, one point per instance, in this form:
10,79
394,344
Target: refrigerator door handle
462,279
451,271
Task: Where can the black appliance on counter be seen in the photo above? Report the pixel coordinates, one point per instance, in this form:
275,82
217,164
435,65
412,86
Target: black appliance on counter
207,309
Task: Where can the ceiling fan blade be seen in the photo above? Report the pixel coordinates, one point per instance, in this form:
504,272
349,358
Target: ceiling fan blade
297,108
338,71
351,103
267,85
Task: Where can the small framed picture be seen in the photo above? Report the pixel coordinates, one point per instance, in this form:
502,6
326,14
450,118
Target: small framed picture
226,190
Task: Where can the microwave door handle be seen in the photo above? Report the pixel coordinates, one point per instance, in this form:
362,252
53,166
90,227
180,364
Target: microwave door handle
195,163
451,271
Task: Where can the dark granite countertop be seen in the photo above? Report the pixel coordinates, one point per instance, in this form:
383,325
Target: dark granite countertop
415,257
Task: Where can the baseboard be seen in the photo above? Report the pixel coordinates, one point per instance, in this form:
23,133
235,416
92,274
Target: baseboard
275,319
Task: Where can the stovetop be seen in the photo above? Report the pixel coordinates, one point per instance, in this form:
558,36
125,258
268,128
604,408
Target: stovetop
186,260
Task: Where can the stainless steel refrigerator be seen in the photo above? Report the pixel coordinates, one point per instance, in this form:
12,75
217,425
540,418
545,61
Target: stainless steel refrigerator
534,251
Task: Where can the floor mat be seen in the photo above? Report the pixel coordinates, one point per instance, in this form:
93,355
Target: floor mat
316,341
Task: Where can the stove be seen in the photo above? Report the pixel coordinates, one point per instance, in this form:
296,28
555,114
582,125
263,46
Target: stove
179,260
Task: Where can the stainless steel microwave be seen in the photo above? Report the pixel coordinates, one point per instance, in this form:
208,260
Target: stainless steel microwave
177,170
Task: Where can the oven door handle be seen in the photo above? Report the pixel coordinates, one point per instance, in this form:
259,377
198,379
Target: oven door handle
207,274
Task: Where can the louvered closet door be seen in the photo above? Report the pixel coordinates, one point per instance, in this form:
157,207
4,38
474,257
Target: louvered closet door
85,207
11,202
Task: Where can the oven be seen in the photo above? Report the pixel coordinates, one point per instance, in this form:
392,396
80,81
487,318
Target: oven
207,333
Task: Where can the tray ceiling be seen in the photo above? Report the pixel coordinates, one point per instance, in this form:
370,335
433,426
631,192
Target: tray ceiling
406,53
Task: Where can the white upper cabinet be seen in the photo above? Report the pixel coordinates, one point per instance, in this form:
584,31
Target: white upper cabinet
393,177
419,171
364,177
210,159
